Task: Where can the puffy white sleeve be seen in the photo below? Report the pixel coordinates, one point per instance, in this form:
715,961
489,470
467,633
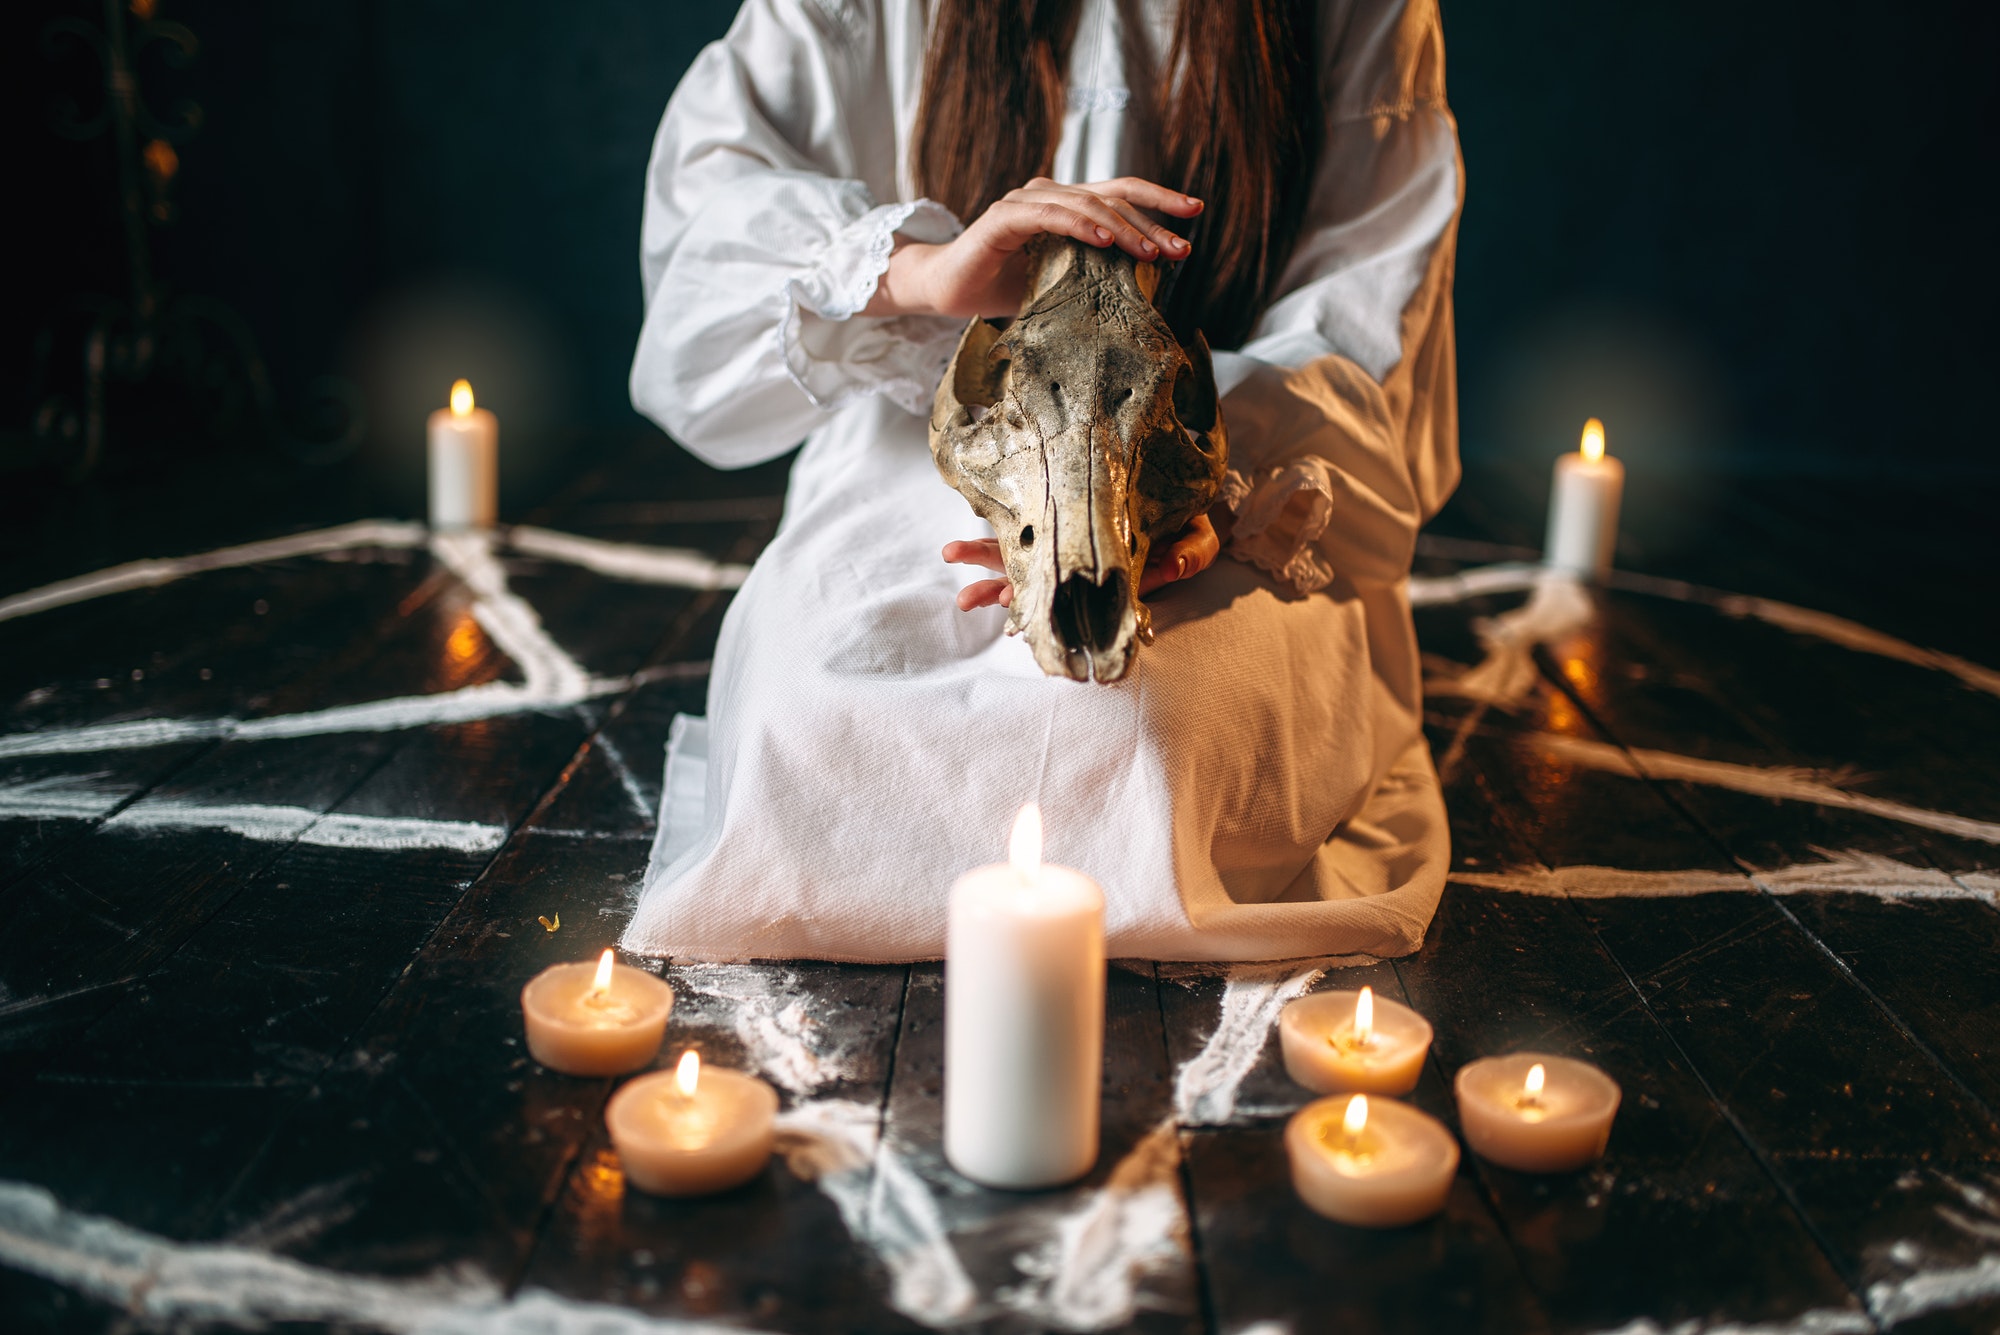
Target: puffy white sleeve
770,215
1342,406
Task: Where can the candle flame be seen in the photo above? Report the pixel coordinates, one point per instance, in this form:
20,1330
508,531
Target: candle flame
461,398
1024,848
1357,1116
1593,440
602,985
1532,1087
688,1074
1364,1019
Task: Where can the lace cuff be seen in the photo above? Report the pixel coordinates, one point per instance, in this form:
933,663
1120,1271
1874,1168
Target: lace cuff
836,359
1279,517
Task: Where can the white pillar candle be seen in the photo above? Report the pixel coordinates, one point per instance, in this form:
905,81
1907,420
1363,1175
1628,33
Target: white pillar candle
691,1131
1353,1042
1375,1163
1583,507
1535,1112
1023,1019
464,463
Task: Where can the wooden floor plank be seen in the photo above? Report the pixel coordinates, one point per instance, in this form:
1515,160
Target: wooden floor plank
1269,1258
435,1140
780,1251
1810,1070
1680,1221
1264,1256
113,926
489,766
258,959
1747,693
113,906
1111,1250
294,960
1833,715
323,1048
205,650
1932,963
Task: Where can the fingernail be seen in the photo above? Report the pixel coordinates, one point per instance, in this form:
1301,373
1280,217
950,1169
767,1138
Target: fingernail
1103,235
1180,568
1177,243
1148,247
1192,202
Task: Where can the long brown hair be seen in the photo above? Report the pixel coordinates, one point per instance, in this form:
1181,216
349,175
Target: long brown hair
1240,129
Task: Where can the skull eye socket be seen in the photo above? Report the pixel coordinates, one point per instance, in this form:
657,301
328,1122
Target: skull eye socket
1028,536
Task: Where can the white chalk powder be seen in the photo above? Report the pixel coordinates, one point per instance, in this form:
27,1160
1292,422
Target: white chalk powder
213,1284
834,1143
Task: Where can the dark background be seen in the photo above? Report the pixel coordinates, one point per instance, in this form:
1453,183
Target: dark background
1752,238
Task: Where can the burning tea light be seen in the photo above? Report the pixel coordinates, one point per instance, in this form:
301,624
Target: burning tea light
1583,507
1376,1163
1023,1018
604,1018
464,463
692,1130
1534,1112
1339,1042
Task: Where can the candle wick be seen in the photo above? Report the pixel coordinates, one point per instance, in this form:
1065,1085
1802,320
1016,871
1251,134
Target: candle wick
1351,1039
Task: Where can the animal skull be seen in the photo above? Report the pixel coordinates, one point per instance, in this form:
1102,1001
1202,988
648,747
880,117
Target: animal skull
1083,430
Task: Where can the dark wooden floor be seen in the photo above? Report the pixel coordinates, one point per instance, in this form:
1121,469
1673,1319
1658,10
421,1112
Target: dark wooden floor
260,1058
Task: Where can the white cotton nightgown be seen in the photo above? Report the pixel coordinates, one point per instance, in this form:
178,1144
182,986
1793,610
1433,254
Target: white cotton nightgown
1258,786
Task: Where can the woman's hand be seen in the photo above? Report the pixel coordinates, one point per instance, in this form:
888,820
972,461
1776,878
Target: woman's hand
982,271
1191,551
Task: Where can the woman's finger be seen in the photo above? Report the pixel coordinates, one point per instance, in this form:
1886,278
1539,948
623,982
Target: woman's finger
1166,238
975,552
1192,551
986,593
1017,221
1120,225
1148,195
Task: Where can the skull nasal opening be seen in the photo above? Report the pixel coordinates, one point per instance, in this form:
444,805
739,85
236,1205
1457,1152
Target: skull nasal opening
1088,614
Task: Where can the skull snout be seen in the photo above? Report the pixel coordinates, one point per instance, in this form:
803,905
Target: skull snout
1091,617
1094,607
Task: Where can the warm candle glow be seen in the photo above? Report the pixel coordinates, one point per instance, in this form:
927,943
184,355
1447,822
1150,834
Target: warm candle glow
1024,849
1356,1117
461,398
601,986
1531,1089
1593,439
688,1074
1364,1020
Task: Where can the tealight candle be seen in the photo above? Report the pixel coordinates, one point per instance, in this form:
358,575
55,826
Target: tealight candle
1023,1019
690,1131
1534,1112
1341,1042
1583,507
464,463
1374,1163
605,1018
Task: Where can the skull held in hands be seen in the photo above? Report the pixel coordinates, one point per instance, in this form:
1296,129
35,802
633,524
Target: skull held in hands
1083,430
